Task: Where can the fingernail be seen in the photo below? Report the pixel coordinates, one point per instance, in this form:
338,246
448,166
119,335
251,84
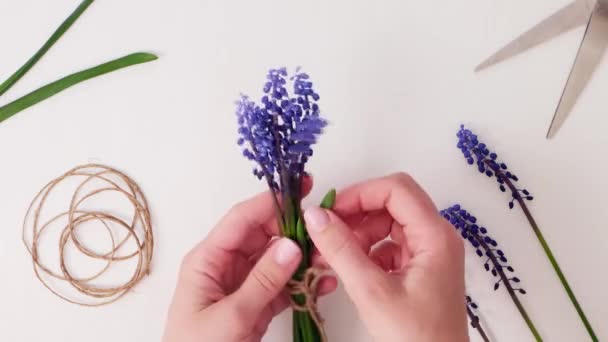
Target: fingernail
286,252
316,219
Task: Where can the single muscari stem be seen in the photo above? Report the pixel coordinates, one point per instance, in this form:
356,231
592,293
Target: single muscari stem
6,85
475,323
481,241
505,280
547,249
53,88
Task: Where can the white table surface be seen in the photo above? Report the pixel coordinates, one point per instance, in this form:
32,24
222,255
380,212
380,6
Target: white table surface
396,80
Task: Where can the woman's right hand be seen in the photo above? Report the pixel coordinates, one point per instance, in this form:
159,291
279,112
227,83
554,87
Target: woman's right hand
409,288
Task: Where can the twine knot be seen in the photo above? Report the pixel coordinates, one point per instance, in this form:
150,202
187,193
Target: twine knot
307,287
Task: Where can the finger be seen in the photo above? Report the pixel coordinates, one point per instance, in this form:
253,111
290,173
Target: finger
267,278
255,257
247,221
340,248
397,233
354,220
327,285
387,255
318,259
369,230
405,201
250,224
398,236
373,229
246,230
307,183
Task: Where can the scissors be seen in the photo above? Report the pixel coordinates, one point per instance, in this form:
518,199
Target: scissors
593,13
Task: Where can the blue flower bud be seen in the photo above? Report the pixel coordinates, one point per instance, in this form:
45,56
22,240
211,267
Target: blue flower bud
264,126
467,226
476,152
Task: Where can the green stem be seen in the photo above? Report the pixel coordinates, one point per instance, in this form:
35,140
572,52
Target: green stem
51,89
6,85
548,252
557,269
525,316
304,329
297,337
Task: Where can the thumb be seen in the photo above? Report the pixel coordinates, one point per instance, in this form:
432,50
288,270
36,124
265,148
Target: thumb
268,277
339,246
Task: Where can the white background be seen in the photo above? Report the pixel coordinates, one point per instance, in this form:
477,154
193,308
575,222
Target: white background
396,79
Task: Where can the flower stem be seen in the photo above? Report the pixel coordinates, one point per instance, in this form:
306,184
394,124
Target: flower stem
14,78
305,329
58,86
557,269
477,325
296,327
549,254
507,284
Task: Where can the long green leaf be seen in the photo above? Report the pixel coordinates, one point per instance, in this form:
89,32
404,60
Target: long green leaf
51,89
6,85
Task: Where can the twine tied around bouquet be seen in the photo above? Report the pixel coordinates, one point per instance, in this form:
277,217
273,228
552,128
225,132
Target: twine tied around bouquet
308,287
75,216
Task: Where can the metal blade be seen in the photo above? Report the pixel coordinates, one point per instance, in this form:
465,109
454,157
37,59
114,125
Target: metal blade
590,54
572,16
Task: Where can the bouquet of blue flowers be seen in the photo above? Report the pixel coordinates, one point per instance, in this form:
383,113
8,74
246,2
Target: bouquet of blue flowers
277,134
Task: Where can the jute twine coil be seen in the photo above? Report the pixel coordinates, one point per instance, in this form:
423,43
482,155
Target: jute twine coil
139,225
308,287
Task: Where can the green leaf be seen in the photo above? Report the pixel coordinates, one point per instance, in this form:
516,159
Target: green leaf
6,85
51,89
329,199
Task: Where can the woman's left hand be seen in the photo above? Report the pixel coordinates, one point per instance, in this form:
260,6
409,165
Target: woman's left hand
231,285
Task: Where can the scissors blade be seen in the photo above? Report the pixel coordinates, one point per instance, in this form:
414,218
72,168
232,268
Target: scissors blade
591,51
572,16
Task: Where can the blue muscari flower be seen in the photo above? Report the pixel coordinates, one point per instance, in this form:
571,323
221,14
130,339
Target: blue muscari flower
279,131
486,161
485,246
